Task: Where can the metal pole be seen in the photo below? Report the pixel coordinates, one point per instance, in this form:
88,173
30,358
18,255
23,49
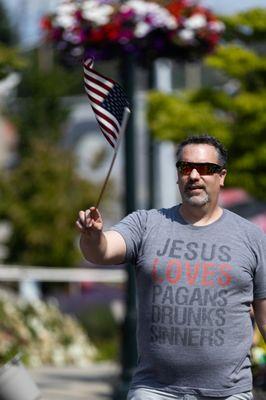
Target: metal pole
151,146
129,347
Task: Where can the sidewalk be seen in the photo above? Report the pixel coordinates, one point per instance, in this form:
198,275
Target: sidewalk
95,382
92,383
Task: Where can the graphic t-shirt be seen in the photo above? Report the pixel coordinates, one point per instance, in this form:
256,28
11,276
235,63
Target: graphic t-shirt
195,285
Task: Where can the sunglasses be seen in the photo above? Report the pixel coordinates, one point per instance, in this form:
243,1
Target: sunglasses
185,168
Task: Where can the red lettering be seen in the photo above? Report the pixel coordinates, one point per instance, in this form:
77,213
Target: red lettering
174,266
192,276
156,278
211,273
207,274
225,278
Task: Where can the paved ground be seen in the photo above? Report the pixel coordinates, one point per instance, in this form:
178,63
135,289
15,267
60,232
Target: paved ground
259,394
92,383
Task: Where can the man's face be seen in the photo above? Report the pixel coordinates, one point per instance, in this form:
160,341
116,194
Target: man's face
195,189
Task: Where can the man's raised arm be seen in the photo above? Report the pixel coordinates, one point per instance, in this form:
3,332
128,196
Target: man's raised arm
97,246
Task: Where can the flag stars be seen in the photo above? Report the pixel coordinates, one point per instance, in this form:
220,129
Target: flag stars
115,102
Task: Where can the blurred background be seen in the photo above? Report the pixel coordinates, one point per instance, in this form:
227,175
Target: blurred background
190,68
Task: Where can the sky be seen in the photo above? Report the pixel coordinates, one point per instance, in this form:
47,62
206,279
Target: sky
26,13
232,6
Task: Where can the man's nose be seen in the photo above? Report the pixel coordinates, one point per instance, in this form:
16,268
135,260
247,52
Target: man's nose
194,174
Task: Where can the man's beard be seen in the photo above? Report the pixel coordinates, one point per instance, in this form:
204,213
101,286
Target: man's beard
196,200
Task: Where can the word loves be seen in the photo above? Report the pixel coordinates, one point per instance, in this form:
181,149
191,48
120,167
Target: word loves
201,264
205,274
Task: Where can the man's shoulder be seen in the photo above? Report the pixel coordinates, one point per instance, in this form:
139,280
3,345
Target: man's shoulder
157,212
153,216
242,223
164,213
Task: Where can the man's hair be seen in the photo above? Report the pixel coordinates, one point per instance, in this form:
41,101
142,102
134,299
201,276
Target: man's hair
204,139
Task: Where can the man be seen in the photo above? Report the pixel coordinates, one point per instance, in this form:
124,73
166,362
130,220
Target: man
198,270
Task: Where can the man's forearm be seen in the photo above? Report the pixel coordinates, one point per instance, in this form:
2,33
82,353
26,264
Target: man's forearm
94,250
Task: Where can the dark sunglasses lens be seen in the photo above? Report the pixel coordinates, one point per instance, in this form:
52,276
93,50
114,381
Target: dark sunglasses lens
203,169
185,169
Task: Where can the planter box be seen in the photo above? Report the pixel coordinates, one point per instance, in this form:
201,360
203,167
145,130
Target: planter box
16,383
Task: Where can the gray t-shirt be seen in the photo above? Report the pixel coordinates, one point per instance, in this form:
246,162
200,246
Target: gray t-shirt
195,286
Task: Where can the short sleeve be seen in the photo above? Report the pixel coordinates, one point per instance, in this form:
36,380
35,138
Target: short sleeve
132,229
260,271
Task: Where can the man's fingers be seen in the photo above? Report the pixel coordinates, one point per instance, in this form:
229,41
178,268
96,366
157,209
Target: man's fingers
94,213
88,219
80,226
82,218
85,218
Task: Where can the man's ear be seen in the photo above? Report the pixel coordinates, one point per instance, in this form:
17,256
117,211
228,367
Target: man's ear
177,176
222,177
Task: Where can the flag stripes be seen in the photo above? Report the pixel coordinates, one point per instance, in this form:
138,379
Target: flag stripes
108,124
107,100
109,121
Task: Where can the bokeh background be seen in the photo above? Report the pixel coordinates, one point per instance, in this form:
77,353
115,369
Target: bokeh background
53,159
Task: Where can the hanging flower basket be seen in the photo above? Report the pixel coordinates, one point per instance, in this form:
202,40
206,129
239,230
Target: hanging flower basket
109,29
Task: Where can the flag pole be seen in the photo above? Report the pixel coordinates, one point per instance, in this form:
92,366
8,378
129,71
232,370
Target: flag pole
121,133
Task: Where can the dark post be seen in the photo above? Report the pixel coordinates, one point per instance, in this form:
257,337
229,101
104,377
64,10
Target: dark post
151,145
129,348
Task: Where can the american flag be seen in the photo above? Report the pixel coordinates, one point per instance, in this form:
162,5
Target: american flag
108,101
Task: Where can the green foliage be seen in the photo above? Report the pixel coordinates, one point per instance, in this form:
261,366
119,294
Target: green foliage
41,198
240,63
247,26
41,334
235,113
176,118
7,35
41,112
103,331
9,60
9,57
42,194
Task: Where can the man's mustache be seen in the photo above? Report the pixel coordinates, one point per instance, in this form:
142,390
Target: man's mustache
191,187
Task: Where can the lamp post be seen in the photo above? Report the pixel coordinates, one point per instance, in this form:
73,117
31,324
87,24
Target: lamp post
151,145
129,347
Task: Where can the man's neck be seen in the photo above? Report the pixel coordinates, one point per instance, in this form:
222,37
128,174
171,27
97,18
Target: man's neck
200,216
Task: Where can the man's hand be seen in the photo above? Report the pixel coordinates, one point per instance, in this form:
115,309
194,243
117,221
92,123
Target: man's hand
97,246
90,222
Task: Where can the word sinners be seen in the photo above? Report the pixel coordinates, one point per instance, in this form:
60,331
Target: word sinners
187,336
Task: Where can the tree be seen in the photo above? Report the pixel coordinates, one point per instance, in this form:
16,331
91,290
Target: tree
234,110
7,34
41,198
42,193
40,111
9,57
